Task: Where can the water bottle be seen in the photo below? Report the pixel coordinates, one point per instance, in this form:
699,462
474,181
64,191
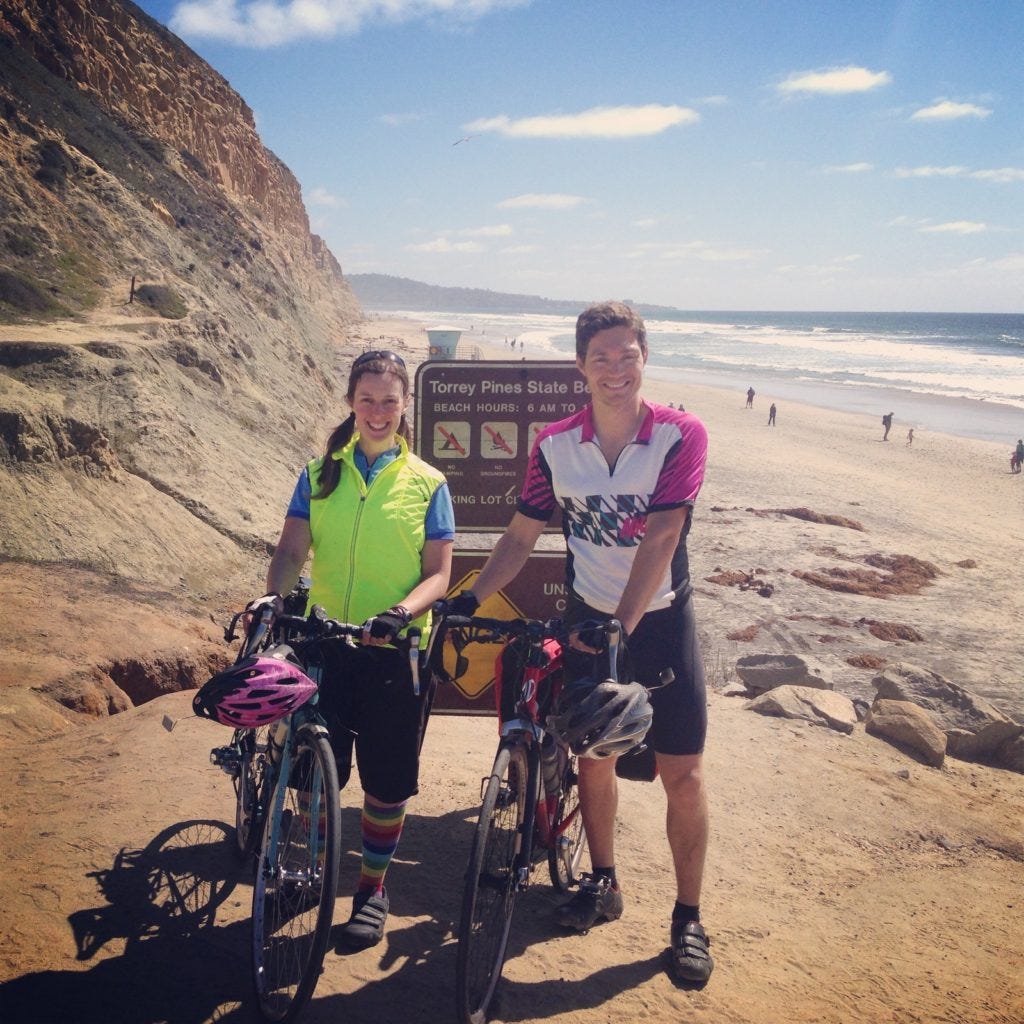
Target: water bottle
552,756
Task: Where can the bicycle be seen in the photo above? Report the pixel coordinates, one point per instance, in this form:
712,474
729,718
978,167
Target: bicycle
244,758
530,801
296,878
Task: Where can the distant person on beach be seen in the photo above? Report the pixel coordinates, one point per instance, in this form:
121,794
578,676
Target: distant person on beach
1018,455
771,415
380,526
910,437
887,424
625,474
750,398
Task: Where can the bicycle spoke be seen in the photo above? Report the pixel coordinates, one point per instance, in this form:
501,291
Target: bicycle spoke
490,892
296,883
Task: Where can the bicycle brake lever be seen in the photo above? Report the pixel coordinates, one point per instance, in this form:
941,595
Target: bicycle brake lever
413,636
613,631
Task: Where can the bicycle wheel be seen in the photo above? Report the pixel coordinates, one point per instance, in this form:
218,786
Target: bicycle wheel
249,790
296,879
569,843
488,898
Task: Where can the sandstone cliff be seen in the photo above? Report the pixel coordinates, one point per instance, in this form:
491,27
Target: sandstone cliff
159,437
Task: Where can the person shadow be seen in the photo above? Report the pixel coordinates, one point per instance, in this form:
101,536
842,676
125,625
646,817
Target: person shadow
159,954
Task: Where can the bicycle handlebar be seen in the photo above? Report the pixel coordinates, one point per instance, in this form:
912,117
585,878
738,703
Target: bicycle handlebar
314,628
478,629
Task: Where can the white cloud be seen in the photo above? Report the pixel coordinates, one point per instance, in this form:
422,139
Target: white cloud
1000,175
445,245
1013,262
858,168
645,222
955,227
489,231
596,123
946,110
542,201
835,81
930,172
321,197
267,23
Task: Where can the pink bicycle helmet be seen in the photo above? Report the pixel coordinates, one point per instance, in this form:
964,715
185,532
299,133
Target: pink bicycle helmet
256,691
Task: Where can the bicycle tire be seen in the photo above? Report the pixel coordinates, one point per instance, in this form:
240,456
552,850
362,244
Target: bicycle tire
295,888
488,899
569,842
250,803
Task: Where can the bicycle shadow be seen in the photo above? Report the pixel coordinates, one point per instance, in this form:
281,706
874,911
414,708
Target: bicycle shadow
176,964
417,961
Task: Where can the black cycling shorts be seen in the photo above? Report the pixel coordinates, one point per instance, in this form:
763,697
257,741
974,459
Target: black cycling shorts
367,701
666,638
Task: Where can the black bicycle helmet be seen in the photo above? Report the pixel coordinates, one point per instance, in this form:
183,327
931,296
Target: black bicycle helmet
601,719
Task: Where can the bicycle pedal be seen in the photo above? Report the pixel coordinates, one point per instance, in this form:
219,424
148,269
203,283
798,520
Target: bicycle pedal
228,759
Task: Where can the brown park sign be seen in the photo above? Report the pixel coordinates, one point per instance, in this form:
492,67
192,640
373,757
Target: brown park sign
538,592
477,420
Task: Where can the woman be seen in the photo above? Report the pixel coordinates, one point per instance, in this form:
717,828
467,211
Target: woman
380,525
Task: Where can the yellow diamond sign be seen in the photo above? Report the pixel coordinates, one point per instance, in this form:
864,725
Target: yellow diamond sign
480,657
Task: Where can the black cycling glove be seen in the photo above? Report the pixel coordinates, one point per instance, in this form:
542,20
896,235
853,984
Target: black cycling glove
464,603
385,625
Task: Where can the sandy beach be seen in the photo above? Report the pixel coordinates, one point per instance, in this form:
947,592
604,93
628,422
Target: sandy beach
846,882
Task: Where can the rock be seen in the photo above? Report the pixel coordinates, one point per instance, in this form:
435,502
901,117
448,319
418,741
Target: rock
975,729
735,689
763,672
1010,754
809,703
909,726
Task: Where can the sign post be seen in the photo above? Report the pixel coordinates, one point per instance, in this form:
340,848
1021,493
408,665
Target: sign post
477,421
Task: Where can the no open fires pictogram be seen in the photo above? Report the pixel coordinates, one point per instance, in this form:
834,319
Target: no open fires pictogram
499,440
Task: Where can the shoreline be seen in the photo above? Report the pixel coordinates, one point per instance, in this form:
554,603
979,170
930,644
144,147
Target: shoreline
996,423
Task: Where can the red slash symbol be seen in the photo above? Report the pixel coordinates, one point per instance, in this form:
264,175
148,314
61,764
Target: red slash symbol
498,440
452,440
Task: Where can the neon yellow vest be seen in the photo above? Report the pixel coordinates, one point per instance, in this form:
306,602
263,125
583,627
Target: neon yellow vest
368,540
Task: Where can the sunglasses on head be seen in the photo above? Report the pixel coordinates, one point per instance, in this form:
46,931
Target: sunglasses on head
379,353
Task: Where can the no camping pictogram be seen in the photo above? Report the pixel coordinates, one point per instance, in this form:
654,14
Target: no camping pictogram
451,440
499,440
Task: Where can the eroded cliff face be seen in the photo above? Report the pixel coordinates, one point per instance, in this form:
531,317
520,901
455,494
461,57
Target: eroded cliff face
158,437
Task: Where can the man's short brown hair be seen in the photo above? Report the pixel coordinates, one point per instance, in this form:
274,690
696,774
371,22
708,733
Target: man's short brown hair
604,315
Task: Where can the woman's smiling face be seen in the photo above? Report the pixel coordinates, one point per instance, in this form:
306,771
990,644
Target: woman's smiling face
378,403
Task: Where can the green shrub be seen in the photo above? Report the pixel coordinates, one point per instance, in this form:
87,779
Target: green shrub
163,300
23,295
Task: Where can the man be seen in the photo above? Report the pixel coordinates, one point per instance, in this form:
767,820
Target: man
625,474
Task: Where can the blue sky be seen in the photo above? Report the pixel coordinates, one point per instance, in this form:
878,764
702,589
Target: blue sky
850,155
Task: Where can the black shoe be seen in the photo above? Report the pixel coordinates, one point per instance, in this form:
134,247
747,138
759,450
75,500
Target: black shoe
365,927
597,900
691,960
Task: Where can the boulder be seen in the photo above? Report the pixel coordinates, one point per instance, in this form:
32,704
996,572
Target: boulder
1011,754
909,726
763,672
822,707
975,729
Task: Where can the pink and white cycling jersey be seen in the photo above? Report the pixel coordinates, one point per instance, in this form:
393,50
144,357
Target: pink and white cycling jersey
604,512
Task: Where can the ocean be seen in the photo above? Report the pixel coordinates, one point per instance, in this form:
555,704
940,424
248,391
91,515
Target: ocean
954,373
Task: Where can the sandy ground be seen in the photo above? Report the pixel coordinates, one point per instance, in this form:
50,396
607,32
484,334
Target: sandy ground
845,881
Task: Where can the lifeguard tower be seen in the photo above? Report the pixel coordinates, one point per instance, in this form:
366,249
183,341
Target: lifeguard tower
443,342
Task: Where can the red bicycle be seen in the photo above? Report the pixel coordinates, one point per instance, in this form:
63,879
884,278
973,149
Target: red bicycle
530,808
